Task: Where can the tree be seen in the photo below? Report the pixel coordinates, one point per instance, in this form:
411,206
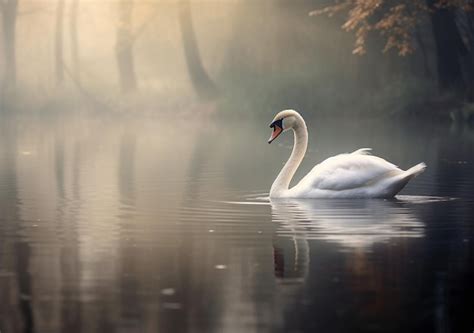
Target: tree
124,47
450,48
74,41
58,43
396,21
9,14
202,83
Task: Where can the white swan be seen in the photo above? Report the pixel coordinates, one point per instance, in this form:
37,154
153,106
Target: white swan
354,175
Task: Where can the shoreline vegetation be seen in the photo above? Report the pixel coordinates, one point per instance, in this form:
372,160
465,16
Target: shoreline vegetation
373,59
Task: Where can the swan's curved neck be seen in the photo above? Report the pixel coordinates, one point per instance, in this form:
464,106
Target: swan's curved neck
282,182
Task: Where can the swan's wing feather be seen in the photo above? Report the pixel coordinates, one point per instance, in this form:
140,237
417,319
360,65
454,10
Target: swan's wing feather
349,171
363,151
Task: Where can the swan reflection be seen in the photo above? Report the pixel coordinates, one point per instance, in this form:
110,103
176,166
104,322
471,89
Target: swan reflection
360,246
291,259
355,225
350,223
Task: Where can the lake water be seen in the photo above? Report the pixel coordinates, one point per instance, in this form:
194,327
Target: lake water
148,224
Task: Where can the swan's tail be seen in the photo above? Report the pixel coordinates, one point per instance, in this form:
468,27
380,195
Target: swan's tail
415,170
398,182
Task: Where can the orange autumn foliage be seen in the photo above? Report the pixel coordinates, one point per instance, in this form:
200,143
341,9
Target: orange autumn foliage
394,20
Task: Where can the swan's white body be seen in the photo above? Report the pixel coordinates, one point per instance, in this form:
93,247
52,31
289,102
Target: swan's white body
354,175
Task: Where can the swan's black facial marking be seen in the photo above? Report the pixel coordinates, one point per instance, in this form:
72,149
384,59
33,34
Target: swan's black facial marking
278,123
277,126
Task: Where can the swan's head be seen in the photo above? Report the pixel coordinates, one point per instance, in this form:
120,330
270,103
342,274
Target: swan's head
283,121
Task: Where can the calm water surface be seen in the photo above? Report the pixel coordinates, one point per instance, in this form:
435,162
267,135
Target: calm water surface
154,225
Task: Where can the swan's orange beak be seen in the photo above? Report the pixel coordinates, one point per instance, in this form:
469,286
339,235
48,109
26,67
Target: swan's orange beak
276,132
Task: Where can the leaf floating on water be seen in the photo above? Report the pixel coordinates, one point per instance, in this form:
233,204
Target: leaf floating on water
168,291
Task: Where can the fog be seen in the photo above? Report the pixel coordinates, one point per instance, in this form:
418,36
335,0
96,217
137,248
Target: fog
228,56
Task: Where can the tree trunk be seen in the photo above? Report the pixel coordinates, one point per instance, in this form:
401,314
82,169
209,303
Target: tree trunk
74,42
124,48
202,83
9,13
58,43
465,20
421,43
450,49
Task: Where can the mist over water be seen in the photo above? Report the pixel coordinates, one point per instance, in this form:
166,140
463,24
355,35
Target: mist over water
145,223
